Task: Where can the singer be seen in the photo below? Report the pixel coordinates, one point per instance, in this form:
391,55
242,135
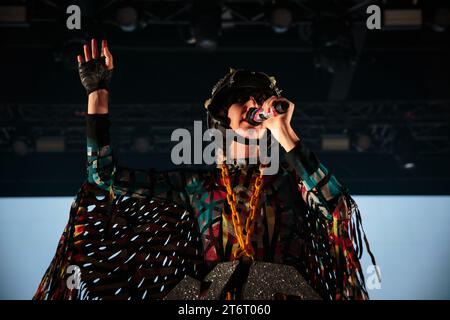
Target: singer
148,234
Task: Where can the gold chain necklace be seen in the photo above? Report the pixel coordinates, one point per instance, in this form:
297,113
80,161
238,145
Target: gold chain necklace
245,246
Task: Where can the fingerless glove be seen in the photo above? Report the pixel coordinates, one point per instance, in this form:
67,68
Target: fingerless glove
94,75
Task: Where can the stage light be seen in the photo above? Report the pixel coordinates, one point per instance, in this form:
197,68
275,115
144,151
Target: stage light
127,18
336,142
206,23
405,149
13,16
207,44
441,20
227,19
21,145
333,43
50,144
409,165
409,18
363,142
281,19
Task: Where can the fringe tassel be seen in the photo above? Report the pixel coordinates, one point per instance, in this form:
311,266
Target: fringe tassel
359,227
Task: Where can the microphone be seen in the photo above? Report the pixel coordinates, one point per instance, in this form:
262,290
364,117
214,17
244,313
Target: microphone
255,116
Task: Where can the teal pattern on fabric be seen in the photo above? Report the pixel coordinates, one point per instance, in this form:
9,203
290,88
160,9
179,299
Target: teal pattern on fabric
293,225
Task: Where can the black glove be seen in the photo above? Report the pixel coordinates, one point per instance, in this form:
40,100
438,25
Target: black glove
94,74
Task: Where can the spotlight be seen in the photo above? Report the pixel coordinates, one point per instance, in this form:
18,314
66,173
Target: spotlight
363,142
409,165
441,20
21,145
127,18
405,149
361,137
281,18
206,23
13,16
337,142
207,44
403,18
227,17
50,144
333,43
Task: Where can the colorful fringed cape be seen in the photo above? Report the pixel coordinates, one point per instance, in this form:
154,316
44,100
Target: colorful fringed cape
134,234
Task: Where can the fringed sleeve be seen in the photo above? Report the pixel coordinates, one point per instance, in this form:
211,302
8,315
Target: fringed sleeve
102,167
330,203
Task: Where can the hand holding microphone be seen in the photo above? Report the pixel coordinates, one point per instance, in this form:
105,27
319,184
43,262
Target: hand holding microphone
275,114
256,116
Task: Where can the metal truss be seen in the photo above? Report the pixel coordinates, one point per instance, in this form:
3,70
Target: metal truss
177,12
428,122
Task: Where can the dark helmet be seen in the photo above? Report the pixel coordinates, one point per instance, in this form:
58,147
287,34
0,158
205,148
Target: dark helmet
237,86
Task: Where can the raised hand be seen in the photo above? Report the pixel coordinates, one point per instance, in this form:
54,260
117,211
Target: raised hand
95,72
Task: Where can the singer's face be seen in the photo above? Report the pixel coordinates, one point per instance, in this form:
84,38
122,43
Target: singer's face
237,113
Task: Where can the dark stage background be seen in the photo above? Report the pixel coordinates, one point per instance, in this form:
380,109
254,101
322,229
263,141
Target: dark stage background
385,106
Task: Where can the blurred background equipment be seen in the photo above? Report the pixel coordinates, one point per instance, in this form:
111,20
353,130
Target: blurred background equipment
13,15
363,142
281,16
403,18
335,142
405,150
127,18
441,19
50,144
206,23
21,145
370,103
